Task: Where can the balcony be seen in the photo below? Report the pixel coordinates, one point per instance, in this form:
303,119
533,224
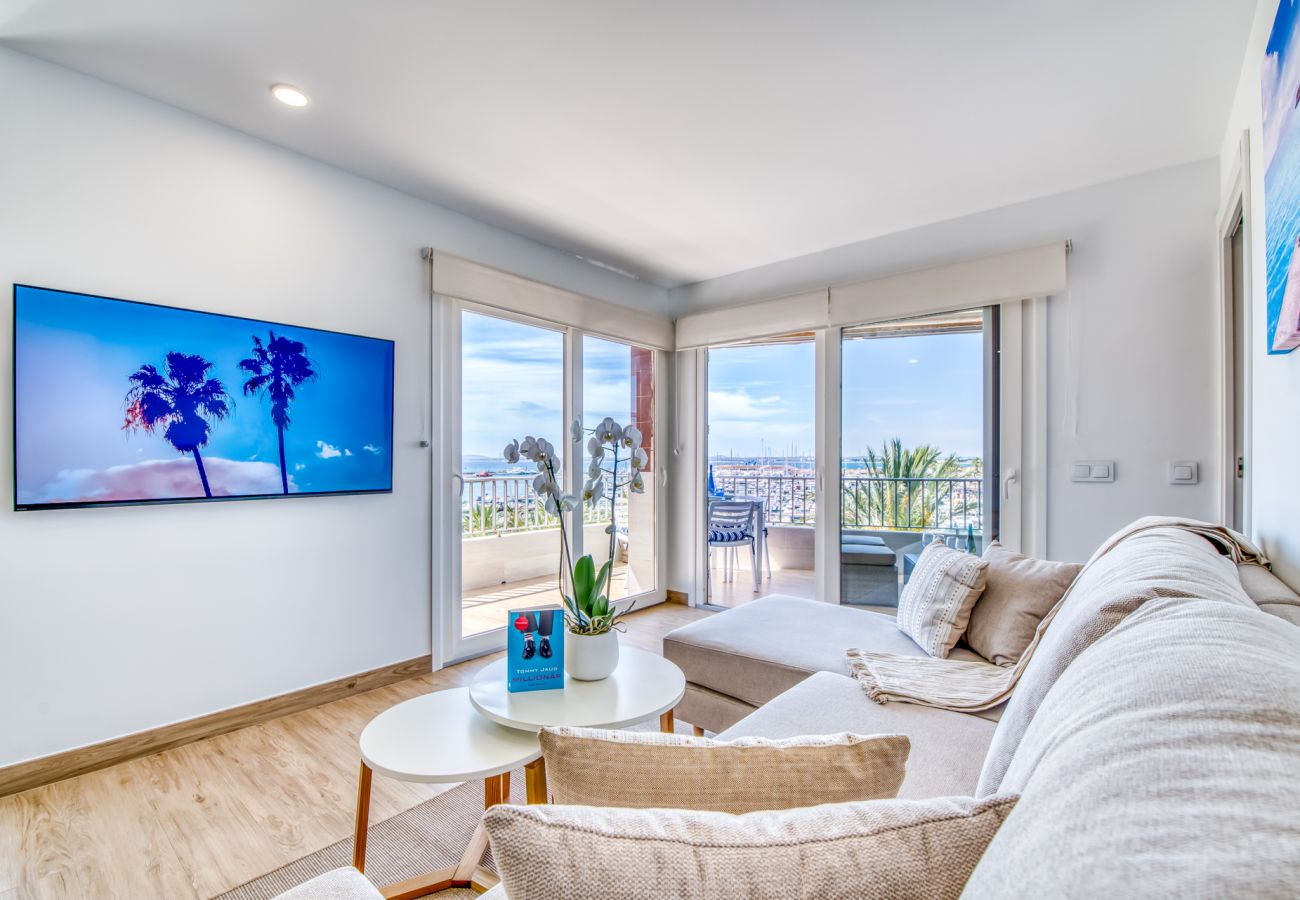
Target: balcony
896,509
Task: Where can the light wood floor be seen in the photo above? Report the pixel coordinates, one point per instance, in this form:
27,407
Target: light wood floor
795,582
201,819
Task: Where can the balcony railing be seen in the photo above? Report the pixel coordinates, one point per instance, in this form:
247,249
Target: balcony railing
891,504
507,504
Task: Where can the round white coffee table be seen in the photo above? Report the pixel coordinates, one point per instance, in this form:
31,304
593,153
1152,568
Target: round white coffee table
439,738
643,686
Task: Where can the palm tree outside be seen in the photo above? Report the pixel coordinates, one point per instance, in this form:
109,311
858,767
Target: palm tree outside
905,489
276,368
184,403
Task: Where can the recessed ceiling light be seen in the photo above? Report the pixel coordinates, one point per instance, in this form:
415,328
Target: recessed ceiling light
289,95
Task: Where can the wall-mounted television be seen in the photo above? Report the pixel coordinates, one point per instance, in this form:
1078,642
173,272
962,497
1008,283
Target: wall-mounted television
122,402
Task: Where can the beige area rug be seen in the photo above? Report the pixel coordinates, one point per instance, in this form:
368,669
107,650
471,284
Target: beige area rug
425,837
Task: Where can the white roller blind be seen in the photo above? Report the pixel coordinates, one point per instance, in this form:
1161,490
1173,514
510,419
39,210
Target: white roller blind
1019,275
467,280
802,312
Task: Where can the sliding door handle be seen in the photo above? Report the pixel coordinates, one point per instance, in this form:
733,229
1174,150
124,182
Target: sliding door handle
460,482
1013,475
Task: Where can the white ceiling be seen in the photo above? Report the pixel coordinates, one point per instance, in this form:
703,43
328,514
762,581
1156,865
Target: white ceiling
682,139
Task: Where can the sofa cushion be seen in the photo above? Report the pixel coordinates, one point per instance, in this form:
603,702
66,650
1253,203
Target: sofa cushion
947,747
1018,592
867,555
766,646
895,849
1162,762
646,769
337,884
1158,562
850,537
935,604
1269,592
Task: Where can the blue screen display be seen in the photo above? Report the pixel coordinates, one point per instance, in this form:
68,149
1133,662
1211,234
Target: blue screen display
124,402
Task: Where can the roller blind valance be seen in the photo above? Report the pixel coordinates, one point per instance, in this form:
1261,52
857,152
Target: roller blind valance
801,312
464,279
1018,275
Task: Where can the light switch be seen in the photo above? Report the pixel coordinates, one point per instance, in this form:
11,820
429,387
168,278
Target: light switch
1184,472
1094,470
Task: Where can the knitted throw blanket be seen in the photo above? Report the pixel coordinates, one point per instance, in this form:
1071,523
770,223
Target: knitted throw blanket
969,686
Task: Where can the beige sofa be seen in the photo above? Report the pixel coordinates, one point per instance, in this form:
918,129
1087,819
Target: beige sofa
1153,739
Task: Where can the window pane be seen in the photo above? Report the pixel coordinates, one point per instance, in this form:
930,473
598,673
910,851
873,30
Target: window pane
618,383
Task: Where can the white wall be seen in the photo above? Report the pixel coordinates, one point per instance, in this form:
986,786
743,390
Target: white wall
117,620
1143,332
1275,380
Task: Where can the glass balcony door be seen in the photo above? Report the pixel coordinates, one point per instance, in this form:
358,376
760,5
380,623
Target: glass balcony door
761,451
505,376
511,385
918,436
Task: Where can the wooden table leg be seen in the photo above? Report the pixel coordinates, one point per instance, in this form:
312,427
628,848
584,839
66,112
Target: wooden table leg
666,722
363,819
535,781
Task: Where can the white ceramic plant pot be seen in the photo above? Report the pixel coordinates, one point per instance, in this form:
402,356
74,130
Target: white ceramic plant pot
591,657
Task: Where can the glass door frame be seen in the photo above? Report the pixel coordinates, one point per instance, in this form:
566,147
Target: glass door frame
447,481
1019,415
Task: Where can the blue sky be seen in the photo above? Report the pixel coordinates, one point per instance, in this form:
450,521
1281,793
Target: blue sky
923,389
513,384
75,355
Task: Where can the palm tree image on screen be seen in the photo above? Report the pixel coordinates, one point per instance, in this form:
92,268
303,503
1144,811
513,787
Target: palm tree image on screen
276,369
184,403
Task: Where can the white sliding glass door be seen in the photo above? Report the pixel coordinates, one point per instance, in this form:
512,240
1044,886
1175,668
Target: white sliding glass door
505,376
918,446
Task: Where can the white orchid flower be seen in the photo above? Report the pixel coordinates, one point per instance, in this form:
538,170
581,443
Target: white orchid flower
545,450
609,431
595,449
637,484
594,470
511,453
631,437
551,505
640,459
543,483
593,490
575,430
528,449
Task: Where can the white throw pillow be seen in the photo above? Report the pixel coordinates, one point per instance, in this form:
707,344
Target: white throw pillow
936,602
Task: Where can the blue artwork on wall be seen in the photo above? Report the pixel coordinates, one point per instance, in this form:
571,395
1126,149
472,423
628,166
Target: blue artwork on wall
1280,90
123,402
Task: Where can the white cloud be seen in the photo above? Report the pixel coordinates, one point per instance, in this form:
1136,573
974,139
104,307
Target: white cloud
298,467
163,479
347,452
371,448
327,451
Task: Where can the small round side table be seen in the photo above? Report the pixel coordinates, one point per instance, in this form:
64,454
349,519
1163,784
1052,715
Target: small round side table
439,738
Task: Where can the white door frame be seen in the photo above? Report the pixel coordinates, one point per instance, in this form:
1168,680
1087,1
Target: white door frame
447,484
828,422
1236,205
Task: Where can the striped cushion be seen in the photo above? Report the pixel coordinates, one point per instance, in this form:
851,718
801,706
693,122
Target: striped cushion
934,607
728,535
